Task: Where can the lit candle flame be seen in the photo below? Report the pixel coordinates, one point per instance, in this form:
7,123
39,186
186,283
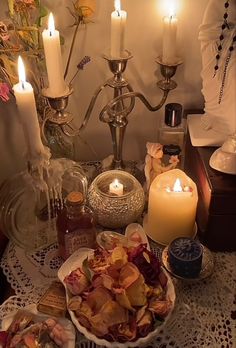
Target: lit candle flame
116,183
171,8
117,5
177,186
51,25
21,72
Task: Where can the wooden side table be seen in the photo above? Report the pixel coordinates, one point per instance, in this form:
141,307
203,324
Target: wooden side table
216,213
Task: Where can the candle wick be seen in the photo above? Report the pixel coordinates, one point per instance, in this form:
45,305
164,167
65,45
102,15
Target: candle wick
22,84
50,33
118,13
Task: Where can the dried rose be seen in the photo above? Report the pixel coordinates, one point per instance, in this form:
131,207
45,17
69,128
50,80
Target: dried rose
174,159
147,263
4,34
85,8
4,91
160,308
21,5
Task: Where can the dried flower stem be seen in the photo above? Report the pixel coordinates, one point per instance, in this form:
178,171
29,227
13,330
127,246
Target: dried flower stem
71,48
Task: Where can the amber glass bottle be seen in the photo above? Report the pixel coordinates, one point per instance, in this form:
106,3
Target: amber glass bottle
76,226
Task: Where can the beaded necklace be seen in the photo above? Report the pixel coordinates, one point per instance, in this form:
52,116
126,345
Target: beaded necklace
219,50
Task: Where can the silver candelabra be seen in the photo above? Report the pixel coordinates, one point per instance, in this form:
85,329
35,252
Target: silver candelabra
115,113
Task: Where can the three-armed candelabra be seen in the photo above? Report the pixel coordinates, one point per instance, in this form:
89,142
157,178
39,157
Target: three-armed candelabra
116,112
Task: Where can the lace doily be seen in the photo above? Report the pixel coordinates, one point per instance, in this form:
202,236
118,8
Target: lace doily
205,312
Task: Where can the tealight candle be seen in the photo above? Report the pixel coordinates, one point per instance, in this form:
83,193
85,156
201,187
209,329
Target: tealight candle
171,207
52,49
116,188
118,21
27,112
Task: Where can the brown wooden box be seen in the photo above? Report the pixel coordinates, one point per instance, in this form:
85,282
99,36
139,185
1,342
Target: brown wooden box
216,213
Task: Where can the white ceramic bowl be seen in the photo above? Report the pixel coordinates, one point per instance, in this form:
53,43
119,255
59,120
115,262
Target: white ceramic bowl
75,261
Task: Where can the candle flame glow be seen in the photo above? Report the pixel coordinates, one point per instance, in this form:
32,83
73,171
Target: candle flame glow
177,186
21,72
115,183
51,24
117,5
171,8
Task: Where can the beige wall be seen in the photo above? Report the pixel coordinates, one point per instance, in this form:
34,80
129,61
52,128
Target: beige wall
144,37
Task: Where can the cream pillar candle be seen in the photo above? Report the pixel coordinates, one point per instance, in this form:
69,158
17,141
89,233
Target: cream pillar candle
116,187
52,49
171,207
170,37
118,22
27,112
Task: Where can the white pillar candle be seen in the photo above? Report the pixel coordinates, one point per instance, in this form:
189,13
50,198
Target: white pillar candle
118,22
52,49
171,207
170,37
28,113
116,188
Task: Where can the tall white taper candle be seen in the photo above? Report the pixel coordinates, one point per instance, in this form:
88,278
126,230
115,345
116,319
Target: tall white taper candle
52,49
28,113
118,22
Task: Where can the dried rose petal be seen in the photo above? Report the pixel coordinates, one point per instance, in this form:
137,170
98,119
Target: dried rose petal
147,263
161,308
3,338
76,282
97,298
129,273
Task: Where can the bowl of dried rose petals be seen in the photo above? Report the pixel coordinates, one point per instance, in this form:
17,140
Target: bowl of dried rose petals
117,298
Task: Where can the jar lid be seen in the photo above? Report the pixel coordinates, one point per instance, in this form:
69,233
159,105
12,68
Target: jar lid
75,197
171,150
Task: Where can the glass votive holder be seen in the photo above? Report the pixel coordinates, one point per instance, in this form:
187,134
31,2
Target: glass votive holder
117,198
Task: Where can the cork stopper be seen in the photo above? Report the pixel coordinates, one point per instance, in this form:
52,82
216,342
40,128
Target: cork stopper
75,197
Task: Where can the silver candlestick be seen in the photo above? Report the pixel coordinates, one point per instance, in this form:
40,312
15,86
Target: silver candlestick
115,113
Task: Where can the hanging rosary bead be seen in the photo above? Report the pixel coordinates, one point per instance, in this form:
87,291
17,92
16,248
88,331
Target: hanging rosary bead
221,37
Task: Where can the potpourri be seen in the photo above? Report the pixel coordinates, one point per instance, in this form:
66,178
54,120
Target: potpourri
26,332
119,295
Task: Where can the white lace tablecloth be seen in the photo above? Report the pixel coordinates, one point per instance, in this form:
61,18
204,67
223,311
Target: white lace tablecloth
205,313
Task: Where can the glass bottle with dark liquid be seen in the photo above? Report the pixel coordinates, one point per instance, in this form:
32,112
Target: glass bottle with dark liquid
76,226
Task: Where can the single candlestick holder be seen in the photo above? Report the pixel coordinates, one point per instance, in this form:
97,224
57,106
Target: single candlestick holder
116,112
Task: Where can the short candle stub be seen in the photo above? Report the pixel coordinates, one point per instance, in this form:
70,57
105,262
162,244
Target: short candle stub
185,257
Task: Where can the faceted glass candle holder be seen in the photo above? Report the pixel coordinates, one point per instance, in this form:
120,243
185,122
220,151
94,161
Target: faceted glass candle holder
112,210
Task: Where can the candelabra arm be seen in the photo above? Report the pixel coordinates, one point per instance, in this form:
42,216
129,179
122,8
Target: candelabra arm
90,107
66,127
110,107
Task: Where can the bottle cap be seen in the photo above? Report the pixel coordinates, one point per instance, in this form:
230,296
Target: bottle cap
75,197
